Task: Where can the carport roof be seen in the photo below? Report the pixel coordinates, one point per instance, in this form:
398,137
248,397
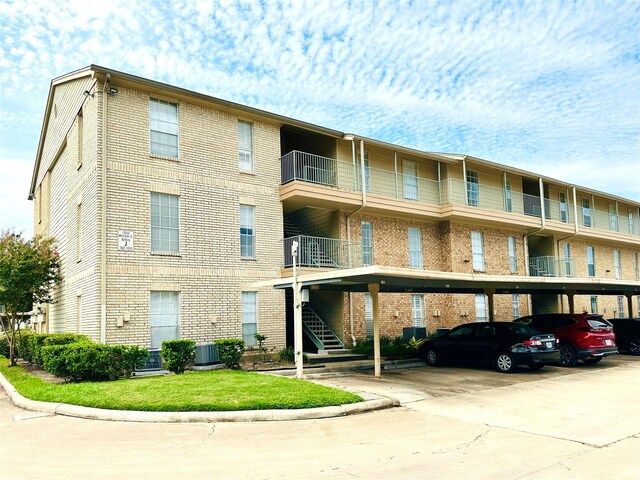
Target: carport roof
404,280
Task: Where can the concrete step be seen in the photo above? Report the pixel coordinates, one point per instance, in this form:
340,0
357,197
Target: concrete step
317,358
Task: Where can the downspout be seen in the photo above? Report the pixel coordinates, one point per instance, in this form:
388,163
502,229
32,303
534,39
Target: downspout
103,259
364,203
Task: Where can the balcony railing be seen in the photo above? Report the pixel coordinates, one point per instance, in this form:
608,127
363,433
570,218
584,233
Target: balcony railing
330,172
319,252
552,267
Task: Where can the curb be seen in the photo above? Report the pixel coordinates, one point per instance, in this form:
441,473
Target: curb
193,417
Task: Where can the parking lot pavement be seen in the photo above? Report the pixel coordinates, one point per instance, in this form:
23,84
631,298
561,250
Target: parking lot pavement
456,423
554,401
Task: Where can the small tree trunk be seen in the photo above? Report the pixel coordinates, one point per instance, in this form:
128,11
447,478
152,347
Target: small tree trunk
11,340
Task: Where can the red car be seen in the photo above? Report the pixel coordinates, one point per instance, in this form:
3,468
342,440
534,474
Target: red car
583,336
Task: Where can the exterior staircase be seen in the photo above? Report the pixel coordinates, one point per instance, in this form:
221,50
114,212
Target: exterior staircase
319,332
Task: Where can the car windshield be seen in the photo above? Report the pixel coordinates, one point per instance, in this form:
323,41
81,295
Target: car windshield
598,322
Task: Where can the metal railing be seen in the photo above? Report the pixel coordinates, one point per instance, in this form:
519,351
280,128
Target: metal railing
319,252
330,172
548,266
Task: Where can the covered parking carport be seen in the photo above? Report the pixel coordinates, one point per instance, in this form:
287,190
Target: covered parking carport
377,279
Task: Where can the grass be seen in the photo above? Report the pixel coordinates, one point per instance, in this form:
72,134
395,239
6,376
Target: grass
218,390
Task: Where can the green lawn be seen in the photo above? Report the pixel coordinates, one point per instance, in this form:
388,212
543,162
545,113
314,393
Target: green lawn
218,390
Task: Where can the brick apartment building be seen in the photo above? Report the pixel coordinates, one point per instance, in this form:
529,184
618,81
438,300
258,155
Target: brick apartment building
170,206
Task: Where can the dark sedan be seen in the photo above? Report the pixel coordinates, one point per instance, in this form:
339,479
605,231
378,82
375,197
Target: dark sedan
627,332
503,345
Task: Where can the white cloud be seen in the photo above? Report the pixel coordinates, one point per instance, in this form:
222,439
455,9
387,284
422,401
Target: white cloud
527,83
16,211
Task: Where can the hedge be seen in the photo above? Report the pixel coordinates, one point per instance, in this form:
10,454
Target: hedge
230,351
177,354
31,347
92,361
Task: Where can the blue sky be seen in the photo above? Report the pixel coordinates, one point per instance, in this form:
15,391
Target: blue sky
547,86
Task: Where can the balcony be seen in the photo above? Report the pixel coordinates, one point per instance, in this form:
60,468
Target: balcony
306,167
548,266
319,252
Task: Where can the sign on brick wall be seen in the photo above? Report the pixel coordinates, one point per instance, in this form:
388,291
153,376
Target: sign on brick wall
125,240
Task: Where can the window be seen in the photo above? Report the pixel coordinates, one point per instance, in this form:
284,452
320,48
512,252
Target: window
564,214
613,218
586,212
368,314
508,204
417,311
631,224
513,259
415,247
591,265
616,264
594,304
567,260
367,243
410,179
473,189
477,250
165,314
247,231
621,306
249,318
163,124
165,223
481,308
245,146
79,233
636,264
515,304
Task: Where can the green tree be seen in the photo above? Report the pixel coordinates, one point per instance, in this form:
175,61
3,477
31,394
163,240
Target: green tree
28,271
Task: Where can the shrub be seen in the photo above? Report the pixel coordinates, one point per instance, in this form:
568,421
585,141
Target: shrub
36,341
230,351
31,348
286,355
4,345
91,361
22,343
396,347
177,354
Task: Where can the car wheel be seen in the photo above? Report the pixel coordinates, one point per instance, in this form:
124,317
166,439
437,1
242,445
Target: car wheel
591,361
568,356
432,358
634,346
505,363
535,366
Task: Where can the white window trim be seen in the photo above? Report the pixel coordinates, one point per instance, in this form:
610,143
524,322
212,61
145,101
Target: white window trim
477,255
177,134
160,251
368,247
252,235
250,341
242,151
417,254
162,315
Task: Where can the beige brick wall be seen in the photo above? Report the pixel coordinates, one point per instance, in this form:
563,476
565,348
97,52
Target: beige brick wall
445,247
208,271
